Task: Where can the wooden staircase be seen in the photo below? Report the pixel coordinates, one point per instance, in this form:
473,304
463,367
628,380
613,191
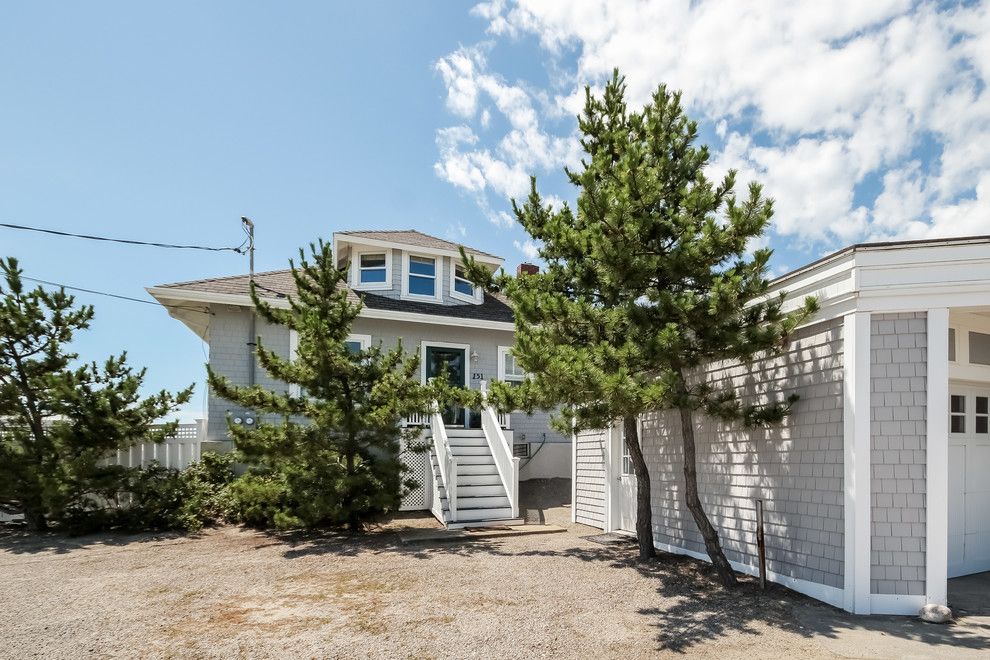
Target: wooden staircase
475,477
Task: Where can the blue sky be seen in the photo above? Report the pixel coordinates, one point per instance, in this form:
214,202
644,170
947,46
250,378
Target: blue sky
168,123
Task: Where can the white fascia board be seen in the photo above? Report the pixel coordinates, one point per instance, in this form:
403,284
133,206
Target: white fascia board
374,242
183,295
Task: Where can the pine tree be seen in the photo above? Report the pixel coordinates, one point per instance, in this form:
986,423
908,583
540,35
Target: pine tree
59,423
645,284
333,458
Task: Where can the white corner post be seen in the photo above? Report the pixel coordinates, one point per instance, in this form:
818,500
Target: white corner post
856,450
574,441
937,453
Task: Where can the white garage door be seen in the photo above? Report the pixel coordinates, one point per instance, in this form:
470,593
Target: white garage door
969,481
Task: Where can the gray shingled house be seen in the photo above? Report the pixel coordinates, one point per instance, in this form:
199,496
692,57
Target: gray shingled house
876,490
413,288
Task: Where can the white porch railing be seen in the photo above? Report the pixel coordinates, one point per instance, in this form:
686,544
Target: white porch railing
445,459
507,464
423,419
417,419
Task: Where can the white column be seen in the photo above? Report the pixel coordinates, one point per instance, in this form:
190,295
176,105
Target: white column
937,453
856,447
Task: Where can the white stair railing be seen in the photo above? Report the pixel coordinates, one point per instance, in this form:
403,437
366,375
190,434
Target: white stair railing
445,459
507,464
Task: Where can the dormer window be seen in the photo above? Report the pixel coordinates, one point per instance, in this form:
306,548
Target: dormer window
372,270
462,284
421,276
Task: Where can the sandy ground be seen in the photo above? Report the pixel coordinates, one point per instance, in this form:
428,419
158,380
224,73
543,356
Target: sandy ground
231,592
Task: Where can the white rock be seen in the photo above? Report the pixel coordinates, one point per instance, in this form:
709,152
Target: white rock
933,613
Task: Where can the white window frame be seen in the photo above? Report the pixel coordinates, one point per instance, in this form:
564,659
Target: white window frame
454,293
437,277
364,340
356,270
502,376
294,389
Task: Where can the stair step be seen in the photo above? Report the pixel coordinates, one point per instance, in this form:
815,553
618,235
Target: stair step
492,502
499,513
465,433
478,479
468,441
476,469
493,490
475,460
473,450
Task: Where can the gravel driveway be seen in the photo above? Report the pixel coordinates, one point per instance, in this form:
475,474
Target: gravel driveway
233,592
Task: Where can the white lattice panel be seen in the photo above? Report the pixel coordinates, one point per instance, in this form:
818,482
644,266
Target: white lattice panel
417,463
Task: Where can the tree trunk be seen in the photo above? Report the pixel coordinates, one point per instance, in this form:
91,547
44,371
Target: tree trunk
644,509
712,545
34,516
353,520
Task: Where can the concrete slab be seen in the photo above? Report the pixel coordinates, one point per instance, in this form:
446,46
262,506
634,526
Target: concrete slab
474,533
970,595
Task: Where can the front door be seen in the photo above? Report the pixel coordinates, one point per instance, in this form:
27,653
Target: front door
969,480
455,359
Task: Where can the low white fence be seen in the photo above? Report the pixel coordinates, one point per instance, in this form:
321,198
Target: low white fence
177,451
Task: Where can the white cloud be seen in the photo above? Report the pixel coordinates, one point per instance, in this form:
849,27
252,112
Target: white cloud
528,248
849,100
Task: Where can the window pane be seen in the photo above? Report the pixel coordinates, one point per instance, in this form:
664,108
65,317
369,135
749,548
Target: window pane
422,266
981,405
372,275
372,261
462,286
422,286
952,344
353,346
957,403
958,424
981,425
979,348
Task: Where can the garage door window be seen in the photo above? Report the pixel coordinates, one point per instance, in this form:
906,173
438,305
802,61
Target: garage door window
982,414
957,417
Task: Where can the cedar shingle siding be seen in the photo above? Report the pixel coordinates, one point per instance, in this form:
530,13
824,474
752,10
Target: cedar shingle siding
796,468
589,484
898,377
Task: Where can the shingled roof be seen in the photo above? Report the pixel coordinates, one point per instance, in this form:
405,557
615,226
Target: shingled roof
415,239
277,284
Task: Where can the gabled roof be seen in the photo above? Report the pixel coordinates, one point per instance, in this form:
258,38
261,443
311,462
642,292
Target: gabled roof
414,238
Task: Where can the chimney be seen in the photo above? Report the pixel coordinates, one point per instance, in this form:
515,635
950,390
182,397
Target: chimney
527,269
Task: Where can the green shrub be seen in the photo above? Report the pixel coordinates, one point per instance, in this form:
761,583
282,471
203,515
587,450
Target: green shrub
260,499
158,498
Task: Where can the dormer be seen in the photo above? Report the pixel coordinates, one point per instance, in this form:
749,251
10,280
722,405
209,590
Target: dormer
409,265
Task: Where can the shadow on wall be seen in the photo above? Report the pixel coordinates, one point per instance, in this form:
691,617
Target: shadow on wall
796,467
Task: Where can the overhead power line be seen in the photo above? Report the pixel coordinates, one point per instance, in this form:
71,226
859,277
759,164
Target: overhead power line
113,295
239,249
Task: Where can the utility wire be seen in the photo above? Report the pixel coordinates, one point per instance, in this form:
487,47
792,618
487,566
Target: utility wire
113,295
239,249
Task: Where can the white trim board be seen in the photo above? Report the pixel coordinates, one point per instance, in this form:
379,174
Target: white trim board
937,459
856,459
